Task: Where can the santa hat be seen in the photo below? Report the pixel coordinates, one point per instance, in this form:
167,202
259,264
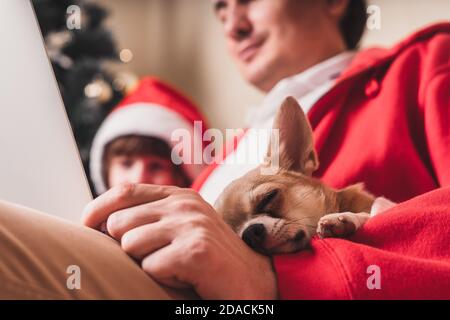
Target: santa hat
153,109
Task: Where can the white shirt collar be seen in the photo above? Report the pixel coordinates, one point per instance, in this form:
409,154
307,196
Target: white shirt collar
307,87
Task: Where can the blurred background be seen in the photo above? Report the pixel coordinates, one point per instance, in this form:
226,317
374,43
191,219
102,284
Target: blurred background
177,40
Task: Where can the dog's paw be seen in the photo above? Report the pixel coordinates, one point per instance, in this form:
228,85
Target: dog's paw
337,225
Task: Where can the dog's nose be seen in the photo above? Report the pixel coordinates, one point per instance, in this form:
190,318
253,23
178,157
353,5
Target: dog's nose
254,236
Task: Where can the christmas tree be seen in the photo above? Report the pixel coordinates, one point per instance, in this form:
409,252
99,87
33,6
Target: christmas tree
78,54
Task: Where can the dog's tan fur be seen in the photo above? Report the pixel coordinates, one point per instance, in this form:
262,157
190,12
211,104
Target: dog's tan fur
291,204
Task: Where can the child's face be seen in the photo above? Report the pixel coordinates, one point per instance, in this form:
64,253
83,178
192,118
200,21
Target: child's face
147,169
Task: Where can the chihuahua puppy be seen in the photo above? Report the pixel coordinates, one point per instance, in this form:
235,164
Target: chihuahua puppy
281,212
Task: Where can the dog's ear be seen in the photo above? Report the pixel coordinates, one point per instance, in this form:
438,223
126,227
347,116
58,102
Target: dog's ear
296,147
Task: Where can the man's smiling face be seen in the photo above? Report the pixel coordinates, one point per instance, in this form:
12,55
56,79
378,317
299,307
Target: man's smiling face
273,39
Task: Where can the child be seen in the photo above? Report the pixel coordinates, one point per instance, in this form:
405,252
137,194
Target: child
134,143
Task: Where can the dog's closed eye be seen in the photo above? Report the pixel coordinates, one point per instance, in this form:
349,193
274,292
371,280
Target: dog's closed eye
266,199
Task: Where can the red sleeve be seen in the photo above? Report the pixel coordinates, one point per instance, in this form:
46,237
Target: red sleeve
437,124
403,251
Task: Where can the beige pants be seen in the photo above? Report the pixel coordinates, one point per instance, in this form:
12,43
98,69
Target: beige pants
43,257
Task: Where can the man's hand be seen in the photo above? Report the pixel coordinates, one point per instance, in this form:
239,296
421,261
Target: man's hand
182,242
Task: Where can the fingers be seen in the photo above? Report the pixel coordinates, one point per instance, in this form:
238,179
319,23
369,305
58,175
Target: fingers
165,267
144,240
122,221
124,196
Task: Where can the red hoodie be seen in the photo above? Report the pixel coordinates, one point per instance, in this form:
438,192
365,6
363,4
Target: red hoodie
386,123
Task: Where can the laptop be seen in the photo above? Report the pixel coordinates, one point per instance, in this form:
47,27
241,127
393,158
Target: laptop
40,166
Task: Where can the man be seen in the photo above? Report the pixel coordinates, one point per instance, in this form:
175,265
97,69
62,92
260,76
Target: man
285,48
299,48
377,114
